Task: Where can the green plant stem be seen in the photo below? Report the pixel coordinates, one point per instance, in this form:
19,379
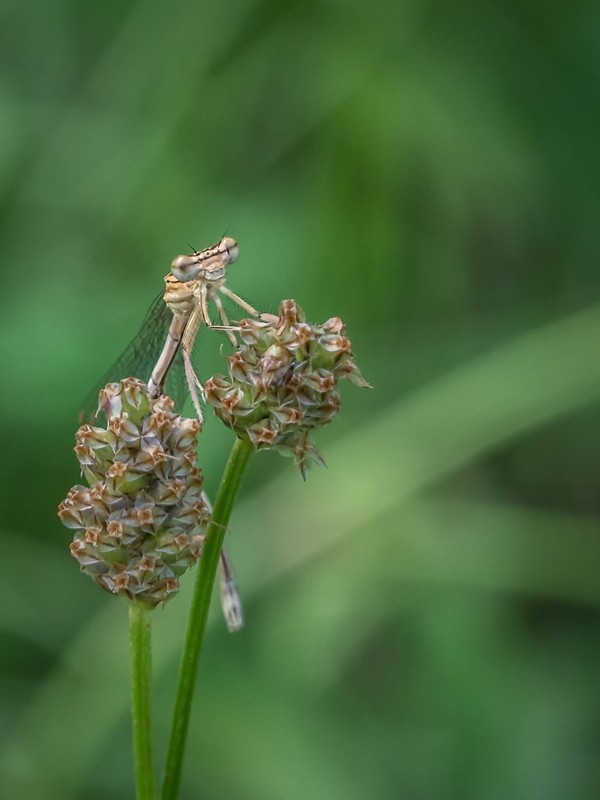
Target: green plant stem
196,626
140,645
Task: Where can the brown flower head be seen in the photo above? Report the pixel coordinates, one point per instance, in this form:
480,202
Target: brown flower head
140,522
283,381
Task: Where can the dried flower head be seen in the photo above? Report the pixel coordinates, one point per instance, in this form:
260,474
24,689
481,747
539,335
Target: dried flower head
140,523
283,381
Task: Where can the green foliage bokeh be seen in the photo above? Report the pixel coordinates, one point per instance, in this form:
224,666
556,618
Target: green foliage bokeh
422,617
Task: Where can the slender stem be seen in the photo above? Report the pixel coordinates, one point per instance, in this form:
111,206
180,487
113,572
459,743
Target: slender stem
196,626
140,643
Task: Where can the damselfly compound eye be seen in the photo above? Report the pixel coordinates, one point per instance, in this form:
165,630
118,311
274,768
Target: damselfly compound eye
229,245
185,268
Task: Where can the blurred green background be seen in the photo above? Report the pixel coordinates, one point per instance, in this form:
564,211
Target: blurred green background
423,616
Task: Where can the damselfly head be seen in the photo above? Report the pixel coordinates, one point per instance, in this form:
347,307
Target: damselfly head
207,263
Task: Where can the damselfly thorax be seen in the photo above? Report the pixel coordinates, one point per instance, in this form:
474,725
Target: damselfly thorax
195,281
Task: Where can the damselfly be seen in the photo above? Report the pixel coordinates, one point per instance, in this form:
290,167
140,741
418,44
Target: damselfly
194,281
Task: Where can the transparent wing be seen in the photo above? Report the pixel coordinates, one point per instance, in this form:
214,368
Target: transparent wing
139,358
209,343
